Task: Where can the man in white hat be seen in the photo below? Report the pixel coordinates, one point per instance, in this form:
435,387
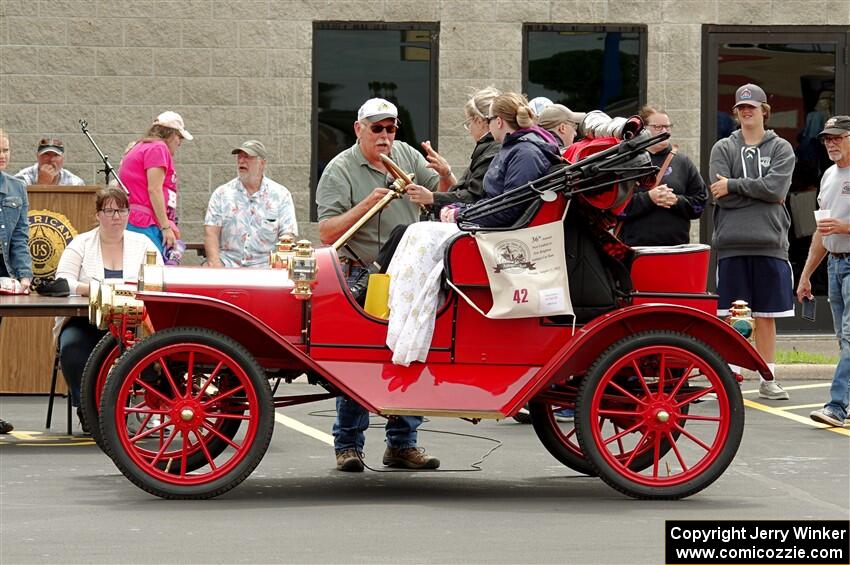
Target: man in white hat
48,169
247,215
351,184
832,239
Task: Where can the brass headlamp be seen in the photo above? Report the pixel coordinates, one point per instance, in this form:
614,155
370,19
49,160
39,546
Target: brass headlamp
303,269
116,302
285,248
741,318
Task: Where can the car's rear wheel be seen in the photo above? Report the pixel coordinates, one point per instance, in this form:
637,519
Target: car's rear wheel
660,386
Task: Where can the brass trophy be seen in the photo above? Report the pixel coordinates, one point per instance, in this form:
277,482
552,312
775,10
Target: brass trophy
741,318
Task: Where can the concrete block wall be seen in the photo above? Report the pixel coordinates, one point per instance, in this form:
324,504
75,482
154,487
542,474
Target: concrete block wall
238,70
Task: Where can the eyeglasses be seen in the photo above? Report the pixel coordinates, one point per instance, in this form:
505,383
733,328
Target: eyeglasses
660,127
377,128
833,138
490,118
115,212
467,122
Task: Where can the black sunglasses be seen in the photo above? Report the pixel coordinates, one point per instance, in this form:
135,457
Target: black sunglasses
376,128
490,118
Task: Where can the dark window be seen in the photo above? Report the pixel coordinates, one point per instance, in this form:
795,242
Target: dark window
353,62
586,67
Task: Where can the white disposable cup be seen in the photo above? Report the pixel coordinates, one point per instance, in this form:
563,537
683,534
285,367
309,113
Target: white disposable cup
821,215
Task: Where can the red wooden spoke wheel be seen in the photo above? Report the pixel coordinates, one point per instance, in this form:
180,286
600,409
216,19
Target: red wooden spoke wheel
167,403
657,387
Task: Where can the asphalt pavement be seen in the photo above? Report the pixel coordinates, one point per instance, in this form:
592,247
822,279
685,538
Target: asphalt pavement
63,501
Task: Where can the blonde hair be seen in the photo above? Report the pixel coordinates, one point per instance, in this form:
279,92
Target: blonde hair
478,104
514,110
157,132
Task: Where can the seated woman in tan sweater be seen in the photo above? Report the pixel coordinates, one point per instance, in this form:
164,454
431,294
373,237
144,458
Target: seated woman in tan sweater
107,252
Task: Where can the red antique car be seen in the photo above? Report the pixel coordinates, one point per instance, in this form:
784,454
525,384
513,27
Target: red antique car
188,411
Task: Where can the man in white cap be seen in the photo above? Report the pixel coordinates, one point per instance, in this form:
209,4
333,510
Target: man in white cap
247,215
50,159
832,238
750,173
351,184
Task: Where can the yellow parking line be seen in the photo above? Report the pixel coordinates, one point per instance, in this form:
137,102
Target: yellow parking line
800,406
294,424
796,417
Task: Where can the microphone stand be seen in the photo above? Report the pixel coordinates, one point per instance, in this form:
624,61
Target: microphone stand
107,169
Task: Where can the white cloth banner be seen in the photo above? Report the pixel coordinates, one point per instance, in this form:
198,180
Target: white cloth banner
527,269
415,272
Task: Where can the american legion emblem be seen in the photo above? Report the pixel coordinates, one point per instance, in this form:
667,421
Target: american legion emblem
50,233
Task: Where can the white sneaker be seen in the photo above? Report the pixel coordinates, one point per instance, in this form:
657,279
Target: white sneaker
826,416
772,391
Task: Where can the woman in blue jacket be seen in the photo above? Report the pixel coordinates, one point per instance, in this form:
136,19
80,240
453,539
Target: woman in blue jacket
527,153
15,259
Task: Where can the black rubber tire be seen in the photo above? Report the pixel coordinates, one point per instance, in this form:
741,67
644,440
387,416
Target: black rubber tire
264,417
89,409
584,421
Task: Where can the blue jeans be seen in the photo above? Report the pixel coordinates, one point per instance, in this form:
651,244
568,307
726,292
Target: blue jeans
352,420
839,301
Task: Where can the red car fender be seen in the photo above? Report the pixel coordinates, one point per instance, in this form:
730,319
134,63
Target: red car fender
589,342
168,310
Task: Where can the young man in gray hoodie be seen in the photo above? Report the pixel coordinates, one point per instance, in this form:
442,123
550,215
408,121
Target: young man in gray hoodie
751,174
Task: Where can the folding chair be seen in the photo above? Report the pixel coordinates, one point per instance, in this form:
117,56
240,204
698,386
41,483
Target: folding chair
53,395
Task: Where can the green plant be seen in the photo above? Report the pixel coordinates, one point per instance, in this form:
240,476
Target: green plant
793,357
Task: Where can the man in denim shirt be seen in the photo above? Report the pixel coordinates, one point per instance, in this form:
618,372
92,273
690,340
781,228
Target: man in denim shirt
15,259
49,166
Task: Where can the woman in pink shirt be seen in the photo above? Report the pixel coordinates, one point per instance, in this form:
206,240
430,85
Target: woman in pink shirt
147,170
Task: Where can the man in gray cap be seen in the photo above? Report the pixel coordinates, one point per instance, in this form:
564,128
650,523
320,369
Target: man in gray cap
750,172
48,169
833,238
247,215
561,122
352,183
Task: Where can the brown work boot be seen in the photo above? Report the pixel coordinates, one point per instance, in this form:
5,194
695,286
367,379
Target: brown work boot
349,460
410,458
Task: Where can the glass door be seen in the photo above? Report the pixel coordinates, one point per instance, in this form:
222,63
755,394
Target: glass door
804,73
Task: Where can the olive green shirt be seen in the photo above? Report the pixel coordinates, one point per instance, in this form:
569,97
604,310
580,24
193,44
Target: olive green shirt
349,178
